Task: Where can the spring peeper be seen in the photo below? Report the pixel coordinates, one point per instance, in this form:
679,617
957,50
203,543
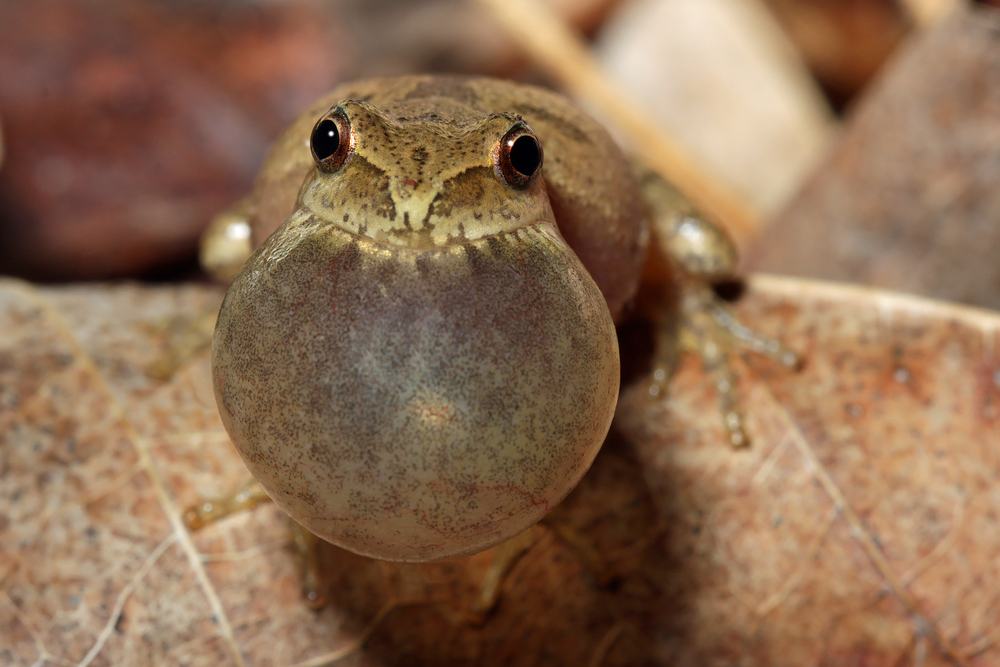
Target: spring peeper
418,358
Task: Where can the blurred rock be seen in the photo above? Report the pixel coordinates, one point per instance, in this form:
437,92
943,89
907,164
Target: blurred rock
844,42
129,124
406,36
909,200
721,77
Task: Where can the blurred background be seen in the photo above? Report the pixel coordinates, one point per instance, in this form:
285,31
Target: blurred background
127,124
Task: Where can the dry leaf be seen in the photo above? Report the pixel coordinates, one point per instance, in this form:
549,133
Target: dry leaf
859,528
908,199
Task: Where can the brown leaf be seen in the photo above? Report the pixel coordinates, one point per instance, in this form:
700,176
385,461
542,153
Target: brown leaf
908,199
859,528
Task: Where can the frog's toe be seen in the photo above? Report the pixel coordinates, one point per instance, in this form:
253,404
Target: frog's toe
746,337
211,510
709,329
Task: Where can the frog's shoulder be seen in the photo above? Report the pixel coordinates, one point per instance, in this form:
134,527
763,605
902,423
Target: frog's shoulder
590,183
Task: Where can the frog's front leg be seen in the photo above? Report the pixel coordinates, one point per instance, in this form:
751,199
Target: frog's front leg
227,244
213,509
694,253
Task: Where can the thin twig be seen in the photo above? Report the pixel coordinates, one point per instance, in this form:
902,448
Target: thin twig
927,12
358,642
601,652
123,596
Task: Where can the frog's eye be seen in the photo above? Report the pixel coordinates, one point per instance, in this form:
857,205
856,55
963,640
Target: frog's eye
519,156
331,141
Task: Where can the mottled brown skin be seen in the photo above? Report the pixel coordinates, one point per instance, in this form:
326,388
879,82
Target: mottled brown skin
590,184
421,360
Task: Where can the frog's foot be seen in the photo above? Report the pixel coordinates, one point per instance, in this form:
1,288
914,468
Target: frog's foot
306,544
314,584
701,254
709,329
214,509
506,556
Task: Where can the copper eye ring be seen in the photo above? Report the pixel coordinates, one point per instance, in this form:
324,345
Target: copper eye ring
331,140
519,156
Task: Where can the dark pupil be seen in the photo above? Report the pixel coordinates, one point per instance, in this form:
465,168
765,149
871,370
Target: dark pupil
325,139
524,155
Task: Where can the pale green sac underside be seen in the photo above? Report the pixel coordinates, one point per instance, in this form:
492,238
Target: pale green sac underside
415,404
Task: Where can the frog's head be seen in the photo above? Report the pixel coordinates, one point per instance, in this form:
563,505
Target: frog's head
417,180
416,365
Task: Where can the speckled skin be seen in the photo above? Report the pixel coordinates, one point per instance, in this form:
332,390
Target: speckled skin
416,364
588,181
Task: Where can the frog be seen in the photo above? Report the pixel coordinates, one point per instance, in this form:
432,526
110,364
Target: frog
417,356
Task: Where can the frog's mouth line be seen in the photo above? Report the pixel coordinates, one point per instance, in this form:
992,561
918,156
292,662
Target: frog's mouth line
467,203
416,240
